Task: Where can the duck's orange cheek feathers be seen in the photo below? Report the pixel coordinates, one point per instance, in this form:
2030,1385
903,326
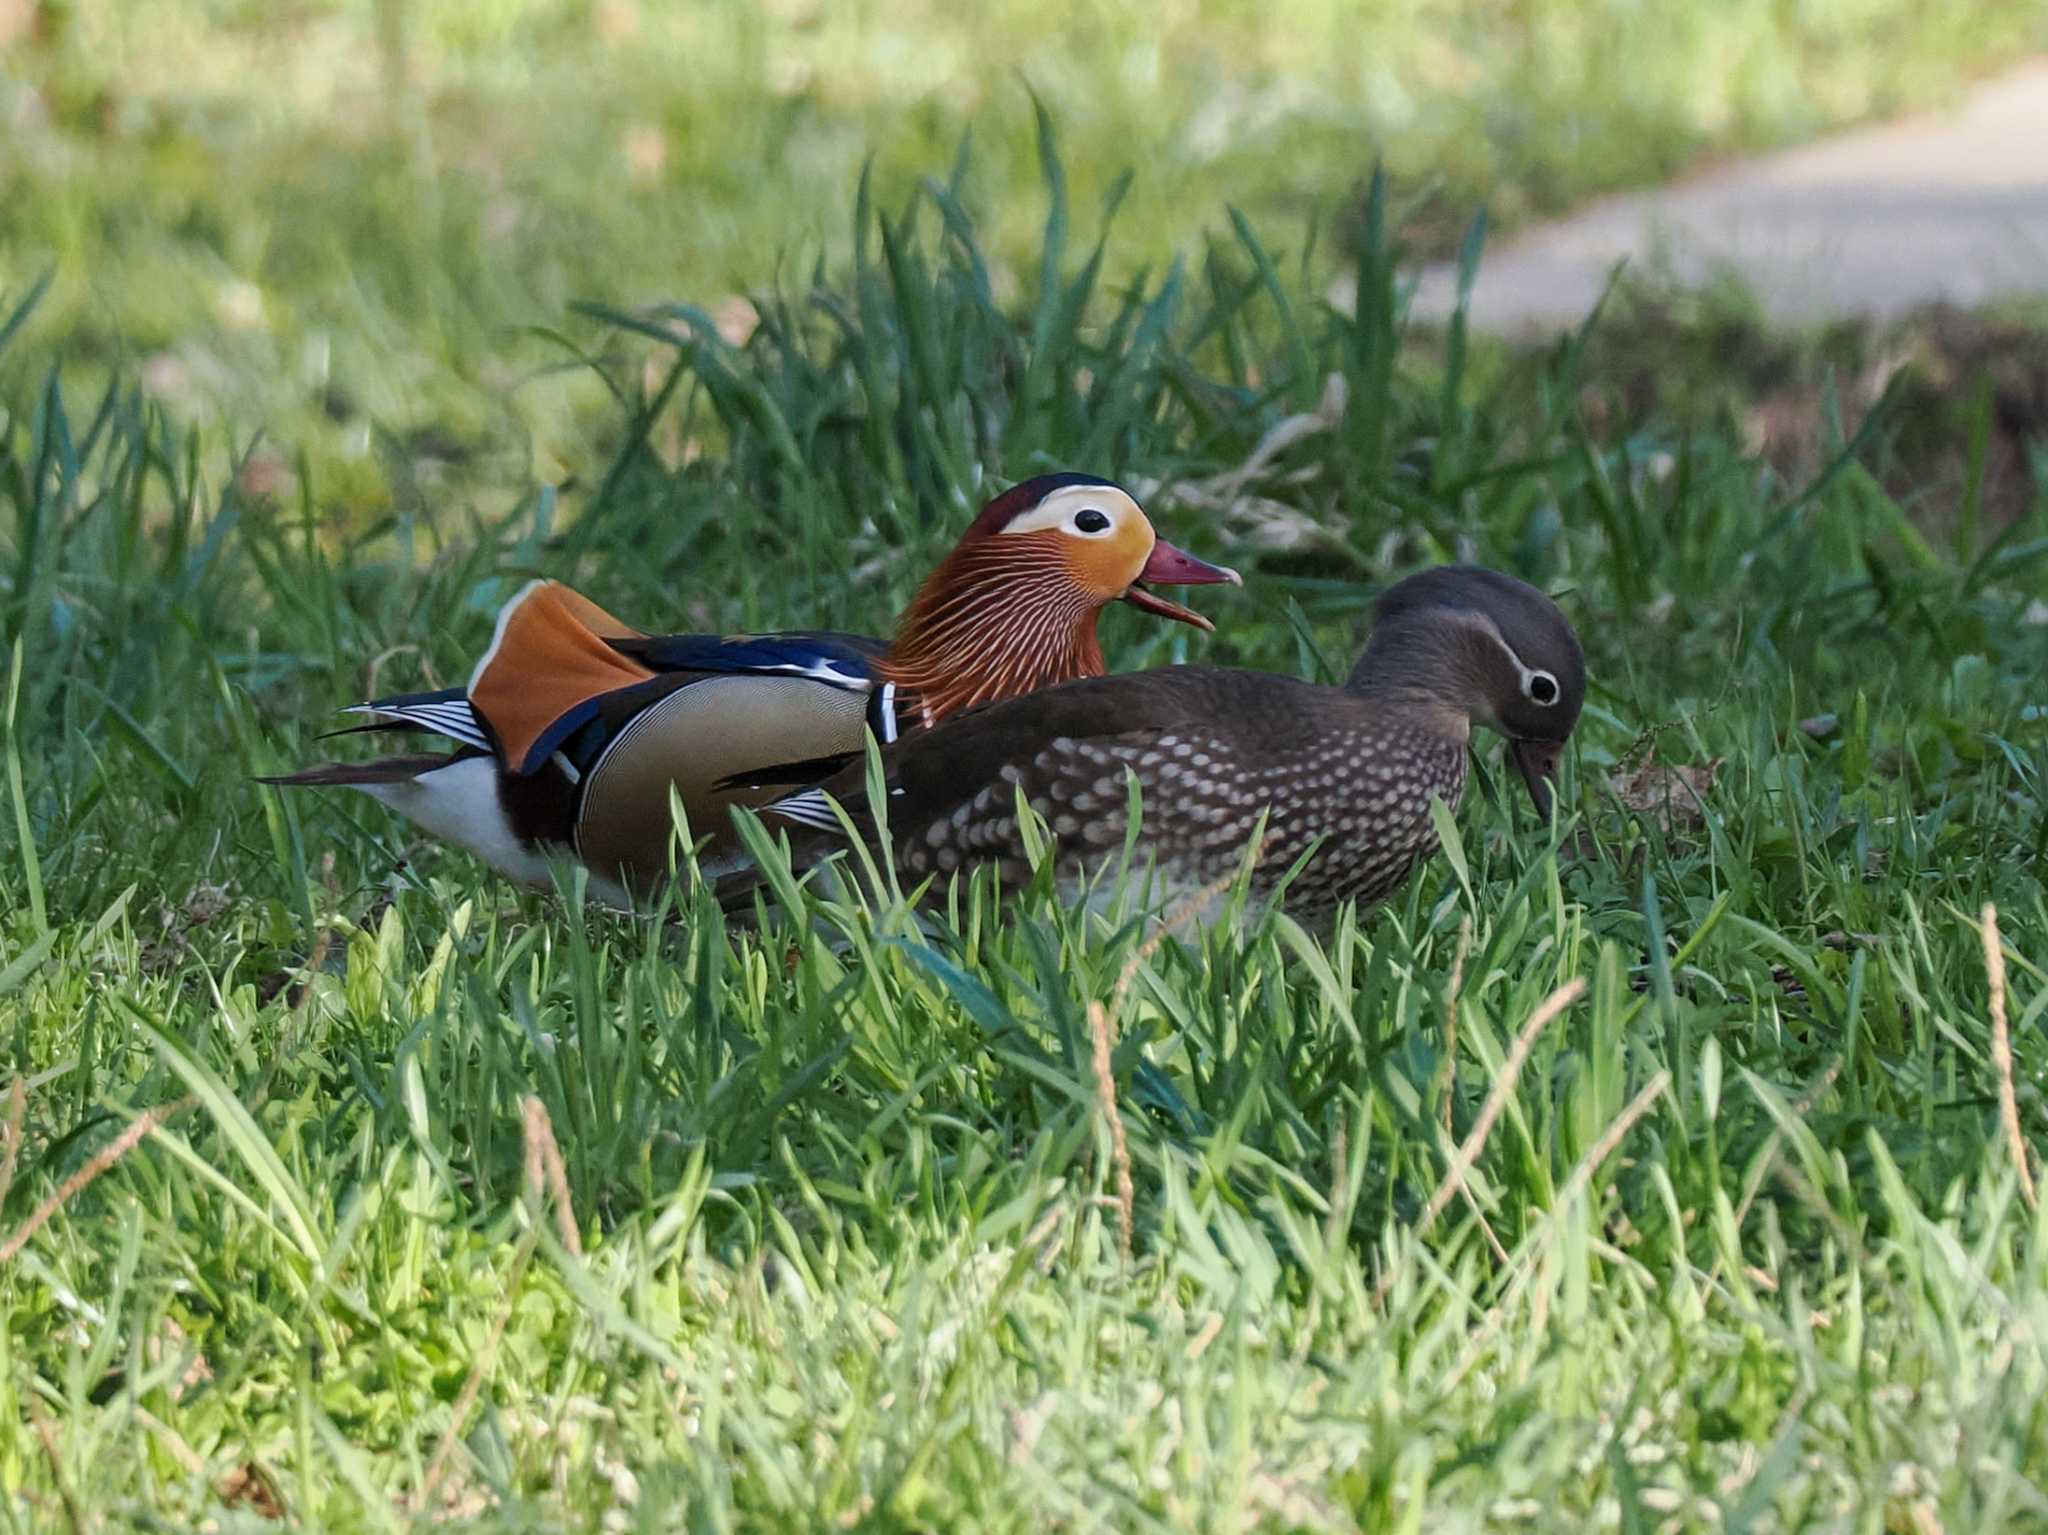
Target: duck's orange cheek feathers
1104,568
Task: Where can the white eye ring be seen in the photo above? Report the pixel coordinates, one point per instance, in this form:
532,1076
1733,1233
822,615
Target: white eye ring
1540,688
1108,522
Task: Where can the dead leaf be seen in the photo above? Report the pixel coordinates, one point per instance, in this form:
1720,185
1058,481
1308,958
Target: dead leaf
1674,795
250,1486
736,319
167,950
204,904
266,477
170,1341
1262,521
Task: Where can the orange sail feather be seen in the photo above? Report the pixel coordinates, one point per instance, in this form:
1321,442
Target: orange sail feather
549,657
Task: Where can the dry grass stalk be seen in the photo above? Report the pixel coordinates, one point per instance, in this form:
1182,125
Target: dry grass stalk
1611,1137
472,1385
1504,1084
171,1440
102,1160
1800,1106
375,668
1450,1071
141,1126
1333,1236
2001,1053
1493,1242
1182,912
73,1515
1102,1033
1447,1075
544,1161
17,1118
1340,1186
1271,523
1815,1201
1119,1148
1602,1149
1768,1162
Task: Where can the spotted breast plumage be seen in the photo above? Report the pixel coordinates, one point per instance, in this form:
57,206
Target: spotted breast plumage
1345,773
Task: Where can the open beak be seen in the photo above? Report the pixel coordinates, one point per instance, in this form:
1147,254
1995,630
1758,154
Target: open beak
1537,762
1169,566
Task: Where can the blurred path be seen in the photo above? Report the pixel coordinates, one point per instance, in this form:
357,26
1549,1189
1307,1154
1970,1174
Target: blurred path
1950,207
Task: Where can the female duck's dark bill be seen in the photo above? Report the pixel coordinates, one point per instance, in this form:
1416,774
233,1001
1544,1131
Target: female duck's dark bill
1169,566
1537,762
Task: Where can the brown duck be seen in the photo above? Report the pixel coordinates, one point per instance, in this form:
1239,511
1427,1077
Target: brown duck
1349,770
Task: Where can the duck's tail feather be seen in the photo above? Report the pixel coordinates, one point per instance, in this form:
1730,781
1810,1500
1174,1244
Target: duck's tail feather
356,775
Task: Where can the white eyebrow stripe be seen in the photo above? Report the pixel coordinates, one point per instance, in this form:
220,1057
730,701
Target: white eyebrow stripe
1474,619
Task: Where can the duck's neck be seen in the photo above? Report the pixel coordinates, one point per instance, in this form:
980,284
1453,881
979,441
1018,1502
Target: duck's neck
992,622
1434,672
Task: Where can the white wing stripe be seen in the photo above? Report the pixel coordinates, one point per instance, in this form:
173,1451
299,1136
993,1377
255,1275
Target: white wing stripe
455,719
834,674
809,808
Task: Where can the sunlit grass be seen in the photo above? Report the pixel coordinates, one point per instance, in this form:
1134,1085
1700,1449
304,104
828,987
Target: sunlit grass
832,1239
336,222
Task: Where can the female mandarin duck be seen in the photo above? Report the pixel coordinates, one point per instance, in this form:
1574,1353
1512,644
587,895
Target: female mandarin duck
574,727
1213,750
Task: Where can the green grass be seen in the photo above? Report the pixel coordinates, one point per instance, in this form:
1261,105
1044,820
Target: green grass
1744,1247
337,220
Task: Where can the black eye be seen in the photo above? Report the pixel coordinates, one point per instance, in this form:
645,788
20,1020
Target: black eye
1089,520
1541,687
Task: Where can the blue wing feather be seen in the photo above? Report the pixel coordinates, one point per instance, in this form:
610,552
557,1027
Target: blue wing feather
838,660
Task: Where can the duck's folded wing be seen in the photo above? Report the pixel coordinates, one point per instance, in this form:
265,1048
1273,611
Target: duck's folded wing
841,663
711,721
557,659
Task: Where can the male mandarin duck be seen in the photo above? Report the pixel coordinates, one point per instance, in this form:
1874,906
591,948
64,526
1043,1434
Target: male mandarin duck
1213,749
575,727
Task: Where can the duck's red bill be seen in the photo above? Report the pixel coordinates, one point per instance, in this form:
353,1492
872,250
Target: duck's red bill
1169,566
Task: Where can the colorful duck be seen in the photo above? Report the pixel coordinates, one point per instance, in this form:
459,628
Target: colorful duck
575,728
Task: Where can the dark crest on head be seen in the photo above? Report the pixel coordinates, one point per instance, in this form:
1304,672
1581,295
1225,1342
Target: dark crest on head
1022,497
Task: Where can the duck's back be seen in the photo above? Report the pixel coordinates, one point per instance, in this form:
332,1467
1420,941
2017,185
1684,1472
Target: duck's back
1211,749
